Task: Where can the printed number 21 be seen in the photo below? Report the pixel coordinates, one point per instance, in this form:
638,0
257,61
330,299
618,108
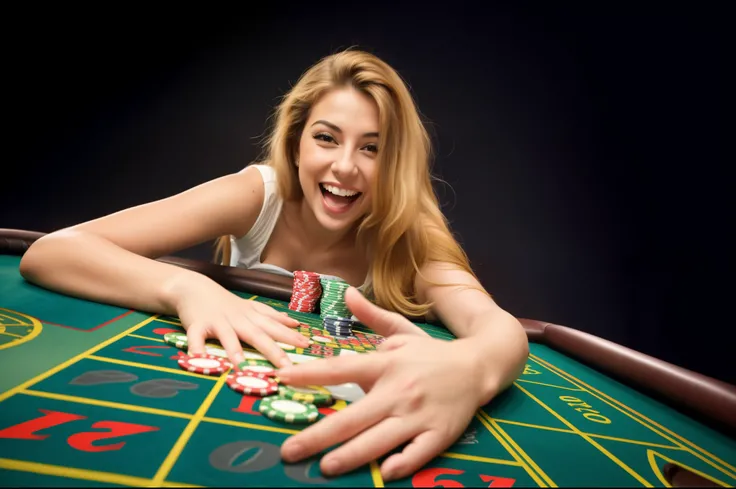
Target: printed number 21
430,478
81,441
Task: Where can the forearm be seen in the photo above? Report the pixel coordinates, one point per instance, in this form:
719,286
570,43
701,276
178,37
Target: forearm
90,267
499,347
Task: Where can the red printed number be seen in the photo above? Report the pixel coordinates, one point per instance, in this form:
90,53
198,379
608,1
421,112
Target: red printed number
27,430
82,441
432,478
246,405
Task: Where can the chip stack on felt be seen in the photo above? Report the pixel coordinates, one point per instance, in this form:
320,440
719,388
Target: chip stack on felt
340,327
306,291
333,298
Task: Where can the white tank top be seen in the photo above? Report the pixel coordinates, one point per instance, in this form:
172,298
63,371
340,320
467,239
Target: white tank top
246,251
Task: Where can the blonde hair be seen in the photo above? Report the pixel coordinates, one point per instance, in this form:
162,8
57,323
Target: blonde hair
405,227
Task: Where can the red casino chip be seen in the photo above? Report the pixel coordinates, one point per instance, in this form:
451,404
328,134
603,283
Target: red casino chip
306,291
203,363
252,384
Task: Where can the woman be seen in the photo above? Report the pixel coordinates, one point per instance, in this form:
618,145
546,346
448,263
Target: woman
344,190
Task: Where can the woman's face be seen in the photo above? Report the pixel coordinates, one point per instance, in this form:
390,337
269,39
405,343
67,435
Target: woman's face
337,157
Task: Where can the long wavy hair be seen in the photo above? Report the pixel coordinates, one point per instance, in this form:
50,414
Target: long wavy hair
405,227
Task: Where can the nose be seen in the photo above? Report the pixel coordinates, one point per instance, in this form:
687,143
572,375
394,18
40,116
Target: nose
344,166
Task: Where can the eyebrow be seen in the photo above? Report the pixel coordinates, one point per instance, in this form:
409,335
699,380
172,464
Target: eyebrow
337,129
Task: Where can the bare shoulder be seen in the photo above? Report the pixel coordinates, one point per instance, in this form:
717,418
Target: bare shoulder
222,206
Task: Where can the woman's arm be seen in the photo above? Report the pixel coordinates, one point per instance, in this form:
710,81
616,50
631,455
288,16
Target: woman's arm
492,336
111,259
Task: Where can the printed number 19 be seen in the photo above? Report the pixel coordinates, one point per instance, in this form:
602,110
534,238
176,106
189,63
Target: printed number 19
430,478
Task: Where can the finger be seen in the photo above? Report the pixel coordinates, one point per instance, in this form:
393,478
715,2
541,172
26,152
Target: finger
335,428
254,336
367,446
231,343
383,322
196,339
394,343
333,371
281,317
414,456
279,332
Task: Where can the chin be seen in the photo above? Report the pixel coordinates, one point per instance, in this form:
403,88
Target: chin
338,222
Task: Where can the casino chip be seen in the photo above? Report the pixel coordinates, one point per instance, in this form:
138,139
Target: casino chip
177,339
254,362
306,291
252,384
287,410
261,371
203,363
333,298
313,394
342,327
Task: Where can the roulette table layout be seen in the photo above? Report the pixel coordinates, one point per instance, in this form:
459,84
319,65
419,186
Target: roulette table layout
93,395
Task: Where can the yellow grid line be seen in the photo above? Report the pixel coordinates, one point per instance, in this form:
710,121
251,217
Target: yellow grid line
152,367
602,449
14,319
550,385
107,404
593,435
623,407
169,322
25,385
146,338
376,474
181,443
241,424
81,474
540,477
476,458
11,334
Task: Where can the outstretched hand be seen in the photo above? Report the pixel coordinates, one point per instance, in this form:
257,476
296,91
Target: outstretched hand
420,390
207,310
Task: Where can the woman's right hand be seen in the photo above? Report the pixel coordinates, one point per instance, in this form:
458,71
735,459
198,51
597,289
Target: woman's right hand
209,311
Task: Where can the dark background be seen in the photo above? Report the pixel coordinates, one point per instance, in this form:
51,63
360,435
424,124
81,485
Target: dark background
583,149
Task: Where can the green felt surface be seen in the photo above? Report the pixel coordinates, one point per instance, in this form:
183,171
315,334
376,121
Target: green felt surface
91,395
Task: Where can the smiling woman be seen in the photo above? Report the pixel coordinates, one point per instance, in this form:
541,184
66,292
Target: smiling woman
344,189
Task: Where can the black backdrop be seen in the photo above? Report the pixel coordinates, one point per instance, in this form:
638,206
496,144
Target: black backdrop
582,148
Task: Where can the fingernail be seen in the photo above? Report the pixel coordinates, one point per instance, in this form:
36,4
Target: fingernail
330,466
292,450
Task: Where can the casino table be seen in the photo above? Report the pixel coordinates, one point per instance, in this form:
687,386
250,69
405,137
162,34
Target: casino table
91,395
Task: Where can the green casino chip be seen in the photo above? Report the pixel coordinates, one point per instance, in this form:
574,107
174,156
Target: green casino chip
313,394
253,362
176,339
287,410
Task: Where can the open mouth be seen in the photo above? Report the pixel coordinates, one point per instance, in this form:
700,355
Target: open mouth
338,199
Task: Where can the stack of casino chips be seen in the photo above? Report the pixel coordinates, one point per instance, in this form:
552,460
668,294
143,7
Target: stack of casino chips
333,298
306,292
339,327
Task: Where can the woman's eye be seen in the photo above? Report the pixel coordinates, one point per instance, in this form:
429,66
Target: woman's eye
372,148
324,137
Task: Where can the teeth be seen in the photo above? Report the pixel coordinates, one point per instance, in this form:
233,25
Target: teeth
340,191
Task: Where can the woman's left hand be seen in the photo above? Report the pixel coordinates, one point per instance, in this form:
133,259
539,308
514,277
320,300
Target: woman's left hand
420,390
